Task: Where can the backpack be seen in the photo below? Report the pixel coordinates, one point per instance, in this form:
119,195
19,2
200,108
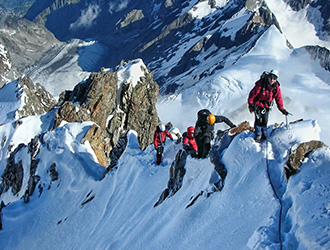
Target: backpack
202,115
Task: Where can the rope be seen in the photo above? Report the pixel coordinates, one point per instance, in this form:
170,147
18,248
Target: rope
277,197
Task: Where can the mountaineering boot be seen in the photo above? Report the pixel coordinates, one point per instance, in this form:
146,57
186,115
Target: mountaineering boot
258,138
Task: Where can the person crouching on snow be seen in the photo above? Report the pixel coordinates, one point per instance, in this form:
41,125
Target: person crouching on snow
159,140
189,143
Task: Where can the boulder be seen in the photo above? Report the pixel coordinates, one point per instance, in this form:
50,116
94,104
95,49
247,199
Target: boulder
297,155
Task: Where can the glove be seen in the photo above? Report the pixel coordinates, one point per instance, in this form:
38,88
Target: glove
252,107
284,111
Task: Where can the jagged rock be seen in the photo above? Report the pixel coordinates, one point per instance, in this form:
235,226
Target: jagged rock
100,143
130,18
52,172
177,172
244,126
297,5
14,172
114,110
320,53
7,72
117,151
35,99
12,176
299,153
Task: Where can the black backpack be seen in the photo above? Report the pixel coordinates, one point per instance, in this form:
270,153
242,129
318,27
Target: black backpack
202,115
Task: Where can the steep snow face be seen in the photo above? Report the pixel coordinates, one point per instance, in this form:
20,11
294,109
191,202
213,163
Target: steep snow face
300,27
9,102
117,211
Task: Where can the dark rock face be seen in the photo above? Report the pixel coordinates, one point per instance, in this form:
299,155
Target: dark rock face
320,53
12,176
177,172
297,5
7,72
298,154
114,110
37,100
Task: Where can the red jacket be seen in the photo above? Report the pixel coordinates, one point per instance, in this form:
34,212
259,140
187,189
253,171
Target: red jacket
263,98
160,137
190,140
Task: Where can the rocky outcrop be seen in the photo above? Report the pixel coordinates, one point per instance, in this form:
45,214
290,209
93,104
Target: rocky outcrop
7,72
18,170
320,53
177,172
35,99
130,18
299,153
116,105
297,5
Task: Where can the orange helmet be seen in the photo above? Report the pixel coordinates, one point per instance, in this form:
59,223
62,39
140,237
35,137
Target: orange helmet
211,119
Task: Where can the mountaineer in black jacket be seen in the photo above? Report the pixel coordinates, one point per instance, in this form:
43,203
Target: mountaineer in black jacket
204,130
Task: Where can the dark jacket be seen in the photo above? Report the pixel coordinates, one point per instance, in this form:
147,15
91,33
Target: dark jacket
204,129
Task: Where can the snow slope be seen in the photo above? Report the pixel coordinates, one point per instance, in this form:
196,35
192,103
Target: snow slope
86,211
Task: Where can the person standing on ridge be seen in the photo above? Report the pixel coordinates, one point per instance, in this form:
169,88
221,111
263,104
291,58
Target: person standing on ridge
189,142
260,101
204,130
159,141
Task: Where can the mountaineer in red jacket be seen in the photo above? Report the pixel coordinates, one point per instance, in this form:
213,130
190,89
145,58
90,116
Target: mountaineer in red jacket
189,143
261,97
159,141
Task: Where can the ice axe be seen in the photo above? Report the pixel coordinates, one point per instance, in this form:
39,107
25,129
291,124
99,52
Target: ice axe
286,119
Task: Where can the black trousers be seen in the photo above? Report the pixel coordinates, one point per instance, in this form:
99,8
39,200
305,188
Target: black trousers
204,146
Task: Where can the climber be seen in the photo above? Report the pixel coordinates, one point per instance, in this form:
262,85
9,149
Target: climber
260,101
159,141
189,142
204,130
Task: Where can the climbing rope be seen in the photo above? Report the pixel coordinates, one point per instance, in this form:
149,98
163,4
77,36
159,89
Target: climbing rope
276,195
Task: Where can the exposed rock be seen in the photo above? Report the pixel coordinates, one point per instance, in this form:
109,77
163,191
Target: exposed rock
320,53
130,18
297,5
7,72
244,126
177,172
298,154
52,172
12,176
16,170
114,109
35,99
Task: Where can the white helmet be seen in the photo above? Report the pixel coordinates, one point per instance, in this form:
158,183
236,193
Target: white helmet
274,72
162,127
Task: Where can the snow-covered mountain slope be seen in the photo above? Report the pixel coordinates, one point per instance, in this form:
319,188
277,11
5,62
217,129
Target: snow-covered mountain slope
64,66
225,92
87,211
